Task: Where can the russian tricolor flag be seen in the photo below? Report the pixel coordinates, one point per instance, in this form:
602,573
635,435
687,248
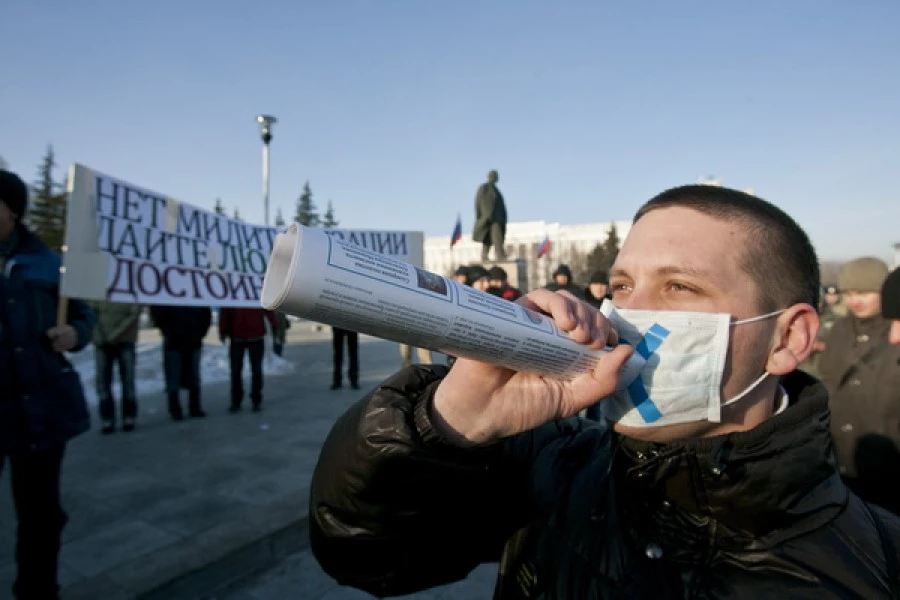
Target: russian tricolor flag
544,248
457,232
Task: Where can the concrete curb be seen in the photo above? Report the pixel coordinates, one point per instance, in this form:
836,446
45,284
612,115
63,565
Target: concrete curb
210,563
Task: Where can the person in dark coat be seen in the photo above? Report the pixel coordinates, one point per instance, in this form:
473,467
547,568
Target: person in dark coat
490,219
861,370
563,281
498,285
735,495
246,328
597,289
183,329
890,304
338,336
42,403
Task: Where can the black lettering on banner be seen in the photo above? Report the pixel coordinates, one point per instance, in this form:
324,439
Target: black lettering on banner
155,204
256,285
222,292
167,283
142,271
132,203
234,233
118,280
105,233
152,245
260,268
381,243
196,279
212,223
336,234
399,244
128,238
251,240
238,260
100,185
356,240
200,247
179,247
271,233
189,225
236,286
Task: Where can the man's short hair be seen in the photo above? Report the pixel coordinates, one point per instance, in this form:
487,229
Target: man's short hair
779,257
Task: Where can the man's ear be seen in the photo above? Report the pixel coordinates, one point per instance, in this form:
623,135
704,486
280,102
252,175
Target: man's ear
793,338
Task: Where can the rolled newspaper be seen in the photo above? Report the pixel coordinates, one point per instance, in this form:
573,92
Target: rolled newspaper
319,277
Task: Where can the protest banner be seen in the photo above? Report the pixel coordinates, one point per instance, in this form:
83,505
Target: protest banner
125,243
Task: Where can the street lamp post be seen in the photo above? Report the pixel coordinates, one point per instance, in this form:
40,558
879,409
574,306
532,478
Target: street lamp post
265,131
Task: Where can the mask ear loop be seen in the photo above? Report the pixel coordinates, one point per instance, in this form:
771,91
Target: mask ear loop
747,390
759,317
765,374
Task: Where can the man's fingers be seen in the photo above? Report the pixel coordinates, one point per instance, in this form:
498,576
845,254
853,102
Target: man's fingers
600,382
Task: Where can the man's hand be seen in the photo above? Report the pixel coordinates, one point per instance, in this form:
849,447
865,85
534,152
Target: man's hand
63,338
479,403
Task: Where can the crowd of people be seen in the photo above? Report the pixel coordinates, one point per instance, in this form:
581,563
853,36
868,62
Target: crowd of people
756,454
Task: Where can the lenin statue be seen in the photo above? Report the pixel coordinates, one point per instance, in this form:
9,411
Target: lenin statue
490,219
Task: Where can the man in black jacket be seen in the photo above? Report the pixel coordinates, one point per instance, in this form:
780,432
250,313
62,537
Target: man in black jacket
183,329
42,404
711,476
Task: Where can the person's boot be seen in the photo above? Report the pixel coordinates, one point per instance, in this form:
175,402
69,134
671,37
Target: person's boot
336,384
107,416
194,404
129,413
175,407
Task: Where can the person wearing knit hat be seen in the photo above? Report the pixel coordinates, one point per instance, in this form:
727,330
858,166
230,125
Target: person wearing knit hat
597,288
477,277
42,403
890,304
859,367
498,284
862,275
563,281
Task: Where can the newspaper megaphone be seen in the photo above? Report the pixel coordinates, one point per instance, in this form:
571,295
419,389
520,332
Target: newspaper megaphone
316,276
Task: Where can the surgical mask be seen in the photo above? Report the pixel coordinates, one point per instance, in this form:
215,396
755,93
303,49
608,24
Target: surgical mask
676,373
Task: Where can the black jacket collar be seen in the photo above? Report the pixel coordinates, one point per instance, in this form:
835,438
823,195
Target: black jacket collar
753,482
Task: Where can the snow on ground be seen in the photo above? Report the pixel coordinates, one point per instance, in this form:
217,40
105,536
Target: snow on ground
149,378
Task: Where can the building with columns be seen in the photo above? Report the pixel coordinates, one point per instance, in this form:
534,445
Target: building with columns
570,244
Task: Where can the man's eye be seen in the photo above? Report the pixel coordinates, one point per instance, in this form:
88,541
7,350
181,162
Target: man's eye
619,287
680,287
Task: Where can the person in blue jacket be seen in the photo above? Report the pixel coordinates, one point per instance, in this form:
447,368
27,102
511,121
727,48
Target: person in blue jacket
42,404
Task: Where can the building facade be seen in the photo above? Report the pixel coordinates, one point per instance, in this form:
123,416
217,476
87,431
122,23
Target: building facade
569,244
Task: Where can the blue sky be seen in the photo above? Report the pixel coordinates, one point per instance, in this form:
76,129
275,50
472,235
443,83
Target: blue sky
395,110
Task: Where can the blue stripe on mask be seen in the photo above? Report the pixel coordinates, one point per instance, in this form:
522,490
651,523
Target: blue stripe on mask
637,392
652,340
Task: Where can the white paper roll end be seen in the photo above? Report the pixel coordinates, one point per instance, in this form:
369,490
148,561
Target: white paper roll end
280,271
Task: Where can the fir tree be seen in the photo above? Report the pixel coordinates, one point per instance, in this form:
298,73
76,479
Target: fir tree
306,208
328,221
47,209
604,255
237,215
219,208
279,219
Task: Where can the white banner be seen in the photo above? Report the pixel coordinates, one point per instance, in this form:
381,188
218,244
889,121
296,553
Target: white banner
125,243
